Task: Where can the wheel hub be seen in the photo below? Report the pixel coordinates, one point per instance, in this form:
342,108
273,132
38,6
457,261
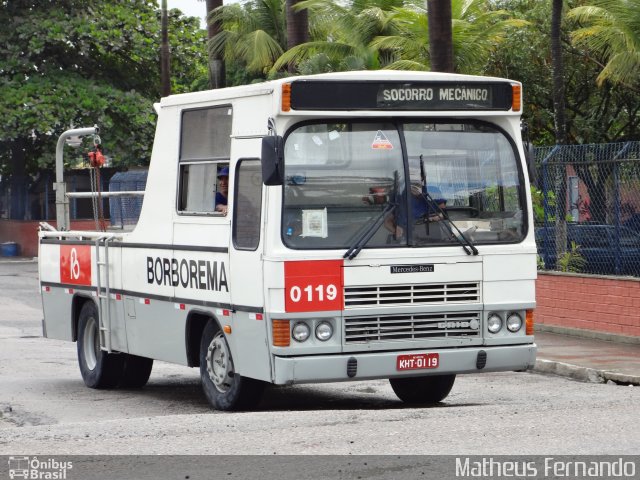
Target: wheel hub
91,344
219,364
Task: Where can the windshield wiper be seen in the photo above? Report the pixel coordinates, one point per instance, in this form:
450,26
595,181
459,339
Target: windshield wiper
467,245
368,233
371,228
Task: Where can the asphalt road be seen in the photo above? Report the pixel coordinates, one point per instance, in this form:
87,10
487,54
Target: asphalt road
46,409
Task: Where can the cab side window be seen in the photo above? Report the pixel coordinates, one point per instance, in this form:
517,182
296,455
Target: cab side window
205,149
248,205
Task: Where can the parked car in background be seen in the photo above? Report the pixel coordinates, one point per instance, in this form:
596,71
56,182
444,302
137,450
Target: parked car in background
606,249
633,222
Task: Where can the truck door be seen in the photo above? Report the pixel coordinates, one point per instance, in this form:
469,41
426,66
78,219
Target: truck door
249,337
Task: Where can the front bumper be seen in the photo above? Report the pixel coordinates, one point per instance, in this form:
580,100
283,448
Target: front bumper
333,368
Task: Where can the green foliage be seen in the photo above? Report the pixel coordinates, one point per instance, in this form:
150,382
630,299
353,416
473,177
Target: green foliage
253,36
478,29
609,30
537,198
341,36
594,114
571,260
79,63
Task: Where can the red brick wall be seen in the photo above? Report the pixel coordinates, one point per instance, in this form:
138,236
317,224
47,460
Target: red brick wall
600,304
25,233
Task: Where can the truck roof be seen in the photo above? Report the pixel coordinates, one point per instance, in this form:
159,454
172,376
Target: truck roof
265,88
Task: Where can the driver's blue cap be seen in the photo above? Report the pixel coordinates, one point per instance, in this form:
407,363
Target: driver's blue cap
224,172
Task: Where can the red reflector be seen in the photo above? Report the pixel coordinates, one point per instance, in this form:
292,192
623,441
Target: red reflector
182,306
225,313
147,301
118,296
259,316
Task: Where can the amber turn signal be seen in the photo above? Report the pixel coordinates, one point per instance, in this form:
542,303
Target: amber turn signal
286,97
516,100
529,322
281,333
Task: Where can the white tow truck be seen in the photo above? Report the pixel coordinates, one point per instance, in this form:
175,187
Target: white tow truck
377,225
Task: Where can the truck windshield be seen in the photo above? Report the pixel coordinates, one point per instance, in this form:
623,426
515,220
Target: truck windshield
339,177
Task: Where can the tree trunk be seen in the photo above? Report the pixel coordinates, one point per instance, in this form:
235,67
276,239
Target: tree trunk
165,87
297,27
440,35
217,72
560,126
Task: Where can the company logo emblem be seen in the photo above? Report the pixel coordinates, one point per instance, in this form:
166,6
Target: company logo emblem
33,468
75,264
18,467
473,324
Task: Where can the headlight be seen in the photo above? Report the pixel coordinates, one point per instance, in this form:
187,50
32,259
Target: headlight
514,322
324,330
494,323
300,332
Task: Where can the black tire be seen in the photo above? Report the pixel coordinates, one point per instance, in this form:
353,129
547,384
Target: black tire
224,389
423,390
136,371
99,369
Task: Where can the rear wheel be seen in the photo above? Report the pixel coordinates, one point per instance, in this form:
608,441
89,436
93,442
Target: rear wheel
224,388
136,371
423,390
99,369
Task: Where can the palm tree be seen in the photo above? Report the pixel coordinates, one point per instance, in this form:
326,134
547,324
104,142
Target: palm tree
609,29
253,33
560,124
440,35
297,25
340,35
216,62
477,31
165,74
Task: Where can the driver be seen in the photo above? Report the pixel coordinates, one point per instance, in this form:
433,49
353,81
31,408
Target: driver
422,209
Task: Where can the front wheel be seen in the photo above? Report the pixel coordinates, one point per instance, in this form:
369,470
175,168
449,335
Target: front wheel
423,390
224,388
99,369
136,371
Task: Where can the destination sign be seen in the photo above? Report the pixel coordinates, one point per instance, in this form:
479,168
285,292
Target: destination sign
369,95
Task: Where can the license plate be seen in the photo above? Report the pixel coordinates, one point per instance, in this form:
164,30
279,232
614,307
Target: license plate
418,361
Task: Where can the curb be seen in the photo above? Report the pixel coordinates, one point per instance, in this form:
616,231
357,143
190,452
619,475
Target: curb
18,259
584,374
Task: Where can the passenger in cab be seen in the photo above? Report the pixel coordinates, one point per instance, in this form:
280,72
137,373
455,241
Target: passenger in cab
223,190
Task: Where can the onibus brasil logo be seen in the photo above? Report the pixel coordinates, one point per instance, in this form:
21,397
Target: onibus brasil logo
33,468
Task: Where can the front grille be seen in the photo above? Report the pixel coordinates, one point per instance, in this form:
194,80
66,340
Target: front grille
409,327
420,294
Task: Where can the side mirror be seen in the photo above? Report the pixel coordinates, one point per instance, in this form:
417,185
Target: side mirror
272,160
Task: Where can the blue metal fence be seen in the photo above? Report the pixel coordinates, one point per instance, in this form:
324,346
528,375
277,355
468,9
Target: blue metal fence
124,211
587,208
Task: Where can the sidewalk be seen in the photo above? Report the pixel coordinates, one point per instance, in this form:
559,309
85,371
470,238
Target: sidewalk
588,360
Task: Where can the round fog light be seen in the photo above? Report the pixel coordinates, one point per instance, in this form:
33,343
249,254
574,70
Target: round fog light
494,323
514,322
300,332
324,330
